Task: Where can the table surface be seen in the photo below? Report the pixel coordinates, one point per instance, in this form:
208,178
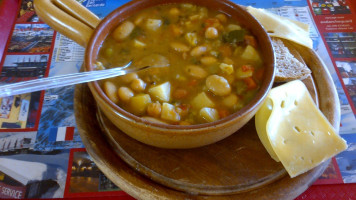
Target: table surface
40,148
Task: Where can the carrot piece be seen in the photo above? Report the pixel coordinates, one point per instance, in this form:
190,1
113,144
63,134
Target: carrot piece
251,40
193,82
180,93
211,22
247,68
225,50
223,113
251,84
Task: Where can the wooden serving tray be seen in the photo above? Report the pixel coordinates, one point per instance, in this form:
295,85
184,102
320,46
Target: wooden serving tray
237,167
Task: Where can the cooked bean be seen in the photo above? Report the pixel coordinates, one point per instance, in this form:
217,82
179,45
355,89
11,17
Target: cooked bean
198,51
125,93
123,30
153,24
139,44
211,33
139,19
99,66
138,85
230,101
154,109
196,71
233,27
111,91
154,60
221,17
180,47
174,11
129,77
208,60
218,85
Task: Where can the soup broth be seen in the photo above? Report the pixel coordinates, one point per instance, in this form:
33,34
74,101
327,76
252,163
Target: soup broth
206,65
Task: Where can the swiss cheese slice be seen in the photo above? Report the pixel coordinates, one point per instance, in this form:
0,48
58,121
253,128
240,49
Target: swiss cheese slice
282,27
294,131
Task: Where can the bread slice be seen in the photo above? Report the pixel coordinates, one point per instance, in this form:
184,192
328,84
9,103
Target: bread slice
290,65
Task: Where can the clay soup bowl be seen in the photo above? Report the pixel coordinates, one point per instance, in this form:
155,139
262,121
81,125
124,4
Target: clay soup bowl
76,22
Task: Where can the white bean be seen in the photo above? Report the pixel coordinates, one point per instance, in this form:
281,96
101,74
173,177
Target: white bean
230,101
123,30
138,85
211,33
111,91
129,77
221,17
180,47
140,19
196,71
153,24
233,27
208,60
198,51
125,93
218,85
174,11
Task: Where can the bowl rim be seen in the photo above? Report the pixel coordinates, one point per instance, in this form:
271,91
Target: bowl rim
123,12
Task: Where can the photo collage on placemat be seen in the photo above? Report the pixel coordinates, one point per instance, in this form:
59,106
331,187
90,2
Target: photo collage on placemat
85,179
38,129
327,7
24,171
335,18
339,35
27,56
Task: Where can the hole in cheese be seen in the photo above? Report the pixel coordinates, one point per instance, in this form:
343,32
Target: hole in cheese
297,129
312,133
283,104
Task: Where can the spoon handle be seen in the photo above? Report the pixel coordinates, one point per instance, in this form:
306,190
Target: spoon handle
63,80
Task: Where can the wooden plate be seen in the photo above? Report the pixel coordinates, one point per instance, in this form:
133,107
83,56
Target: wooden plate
237,167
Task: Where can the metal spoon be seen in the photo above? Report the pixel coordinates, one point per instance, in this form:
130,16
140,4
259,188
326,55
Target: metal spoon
64,80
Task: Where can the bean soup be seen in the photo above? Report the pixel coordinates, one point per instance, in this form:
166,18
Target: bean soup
205,65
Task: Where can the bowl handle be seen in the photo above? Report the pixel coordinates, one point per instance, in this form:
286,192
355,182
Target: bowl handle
69,18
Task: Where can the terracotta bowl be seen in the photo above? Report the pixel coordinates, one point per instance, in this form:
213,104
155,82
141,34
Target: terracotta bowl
176,136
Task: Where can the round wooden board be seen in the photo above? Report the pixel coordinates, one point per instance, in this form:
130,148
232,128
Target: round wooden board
237,167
